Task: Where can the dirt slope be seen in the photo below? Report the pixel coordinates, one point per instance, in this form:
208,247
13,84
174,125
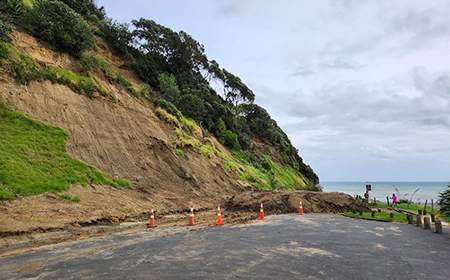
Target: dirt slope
124,139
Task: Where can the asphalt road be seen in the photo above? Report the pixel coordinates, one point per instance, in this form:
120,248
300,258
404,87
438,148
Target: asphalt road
313,246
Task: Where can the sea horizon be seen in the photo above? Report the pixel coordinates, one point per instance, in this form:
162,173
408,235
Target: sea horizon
416,191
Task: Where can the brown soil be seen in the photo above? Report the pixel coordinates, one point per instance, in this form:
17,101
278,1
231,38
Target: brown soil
125,139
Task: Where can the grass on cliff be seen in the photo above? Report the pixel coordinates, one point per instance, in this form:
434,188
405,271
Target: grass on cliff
271,176
33,159
24,69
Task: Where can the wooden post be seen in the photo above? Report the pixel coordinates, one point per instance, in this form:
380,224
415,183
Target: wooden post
420,211
427,223
360,212
433,218
391,215
438,226
419,220
409,217
373,214
387,199
375,201
425,207
432,206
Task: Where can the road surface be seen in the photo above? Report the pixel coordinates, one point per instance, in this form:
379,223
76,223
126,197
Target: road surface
312,246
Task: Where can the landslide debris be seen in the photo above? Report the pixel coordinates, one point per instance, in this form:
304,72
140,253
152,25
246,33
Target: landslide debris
282,202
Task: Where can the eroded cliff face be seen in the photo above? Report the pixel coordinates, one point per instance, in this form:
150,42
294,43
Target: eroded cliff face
121,137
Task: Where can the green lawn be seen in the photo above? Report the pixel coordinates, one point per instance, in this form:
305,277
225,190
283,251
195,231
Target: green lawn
410,207
33,159
400,217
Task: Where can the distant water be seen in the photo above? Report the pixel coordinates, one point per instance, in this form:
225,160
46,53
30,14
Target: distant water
427,191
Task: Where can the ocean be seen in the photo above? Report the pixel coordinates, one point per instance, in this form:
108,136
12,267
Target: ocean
427,190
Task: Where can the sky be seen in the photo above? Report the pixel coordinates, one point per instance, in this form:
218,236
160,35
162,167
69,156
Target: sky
362,88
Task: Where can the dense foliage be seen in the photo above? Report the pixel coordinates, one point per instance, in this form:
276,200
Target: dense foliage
9,11
87,8
173,63
5,29
444,202
57,23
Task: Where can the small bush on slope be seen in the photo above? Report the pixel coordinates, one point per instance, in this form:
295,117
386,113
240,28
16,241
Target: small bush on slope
56,23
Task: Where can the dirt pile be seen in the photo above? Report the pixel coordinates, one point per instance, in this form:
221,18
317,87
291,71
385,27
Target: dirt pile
281,202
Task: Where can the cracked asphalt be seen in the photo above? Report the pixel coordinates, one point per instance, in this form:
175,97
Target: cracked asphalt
312,246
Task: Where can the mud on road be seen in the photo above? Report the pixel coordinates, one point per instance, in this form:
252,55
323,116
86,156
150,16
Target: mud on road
71,221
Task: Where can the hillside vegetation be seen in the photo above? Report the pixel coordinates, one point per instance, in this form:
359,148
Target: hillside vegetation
33,159
176,77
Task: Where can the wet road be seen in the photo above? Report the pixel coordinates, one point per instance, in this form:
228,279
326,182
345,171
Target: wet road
313,246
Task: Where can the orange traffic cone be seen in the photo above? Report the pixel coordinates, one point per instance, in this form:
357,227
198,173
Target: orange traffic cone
261,212
219,216
191,217
152,219
300,208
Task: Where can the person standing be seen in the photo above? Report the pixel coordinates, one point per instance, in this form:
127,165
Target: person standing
366,196
394,200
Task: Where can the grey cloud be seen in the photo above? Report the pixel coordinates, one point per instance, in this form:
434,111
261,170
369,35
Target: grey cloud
438,86
422,26
346,4
326,65
339,63
396,29
233,7
303,71
365,108
436,122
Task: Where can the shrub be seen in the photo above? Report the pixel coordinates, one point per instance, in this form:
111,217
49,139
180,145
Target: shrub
86,8
192,106
4,52
117,35
444,202
11,9
168,118
5,29
169,87
25,69
207,151
231,140
169,107
87,62
70,198
123,183
180,153
56,23
150,67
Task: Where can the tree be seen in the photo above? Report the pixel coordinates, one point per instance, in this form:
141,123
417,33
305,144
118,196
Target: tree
192,106
86,8
118,35
444,202
56,23
181,52
236,91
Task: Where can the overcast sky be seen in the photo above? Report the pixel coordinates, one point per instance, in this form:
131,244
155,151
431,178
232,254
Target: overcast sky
362,88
